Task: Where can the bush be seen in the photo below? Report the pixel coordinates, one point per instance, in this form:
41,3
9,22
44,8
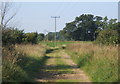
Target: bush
30,38
15,36
40,37
11,36
108,36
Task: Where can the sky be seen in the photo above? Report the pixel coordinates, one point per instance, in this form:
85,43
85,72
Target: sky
36,16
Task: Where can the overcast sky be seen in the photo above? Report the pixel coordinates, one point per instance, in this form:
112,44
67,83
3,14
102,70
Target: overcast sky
36,16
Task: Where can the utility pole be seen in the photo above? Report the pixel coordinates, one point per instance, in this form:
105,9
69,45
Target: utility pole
55,17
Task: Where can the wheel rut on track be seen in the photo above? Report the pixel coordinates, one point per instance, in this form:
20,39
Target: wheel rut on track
59,67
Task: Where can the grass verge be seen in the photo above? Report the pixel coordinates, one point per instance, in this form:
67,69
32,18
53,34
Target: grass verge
100,62
22,62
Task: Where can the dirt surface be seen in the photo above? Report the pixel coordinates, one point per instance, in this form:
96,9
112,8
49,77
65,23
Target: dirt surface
59,67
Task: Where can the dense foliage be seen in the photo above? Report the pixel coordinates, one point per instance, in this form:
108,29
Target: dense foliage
11,36
16,36
88,27
40,37
82,28
30,37
108,36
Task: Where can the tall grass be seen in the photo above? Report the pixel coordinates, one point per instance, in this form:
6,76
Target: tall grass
100,62
31,50
34,58
21,62
11,72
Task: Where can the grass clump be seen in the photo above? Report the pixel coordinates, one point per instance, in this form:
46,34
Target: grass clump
100,62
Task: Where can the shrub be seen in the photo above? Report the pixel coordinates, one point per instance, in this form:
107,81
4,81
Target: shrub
108,36
30,38
11,36
40,37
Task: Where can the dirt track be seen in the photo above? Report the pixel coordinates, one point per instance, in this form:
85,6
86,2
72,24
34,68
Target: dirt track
60,68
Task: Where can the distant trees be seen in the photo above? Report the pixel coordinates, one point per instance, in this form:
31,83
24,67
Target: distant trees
88,27
83,28
16,36
40,37
51,36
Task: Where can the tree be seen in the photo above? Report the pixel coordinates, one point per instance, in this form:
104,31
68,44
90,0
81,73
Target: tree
111,23
50,36
30,37
4,11
82,28
40,37
110,35
105,23
68,30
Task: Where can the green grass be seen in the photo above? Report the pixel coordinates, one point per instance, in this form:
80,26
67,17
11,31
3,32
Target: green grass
13,73
58,43
80,60
62,67
32,65
99,62
59,66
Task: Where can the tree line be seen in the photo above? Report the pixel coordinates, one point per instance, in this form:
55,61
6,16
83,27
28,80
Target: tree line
86,27
16,36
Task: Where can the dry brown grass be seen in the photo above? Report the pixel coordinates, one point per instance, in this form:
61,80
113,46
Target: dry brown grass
21,62
108,52
31,50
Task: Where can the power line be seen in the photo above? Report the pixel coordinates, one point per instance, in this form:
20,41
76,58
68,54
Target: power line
55,17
